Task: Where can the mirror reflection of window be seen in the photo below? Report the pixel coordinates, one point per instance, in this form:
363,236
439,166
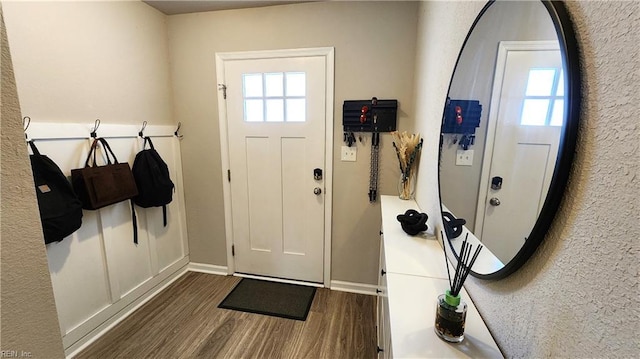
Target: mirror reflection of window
543,103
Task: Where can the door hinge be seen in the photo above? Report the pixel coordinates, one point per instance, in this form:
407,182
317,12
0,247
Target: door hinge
229,175
223,87
233,250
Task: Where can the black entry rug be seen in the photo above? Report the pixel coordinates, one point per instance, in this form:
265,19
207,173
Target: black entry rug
270,298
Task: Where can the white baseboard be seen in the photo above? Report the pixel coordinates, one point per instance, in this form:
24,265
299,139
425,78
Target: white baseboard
118,312
208,268
279,280
351,287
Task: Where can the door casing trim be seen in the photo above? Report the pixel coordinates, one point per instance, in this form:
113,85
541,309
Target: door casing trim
328,53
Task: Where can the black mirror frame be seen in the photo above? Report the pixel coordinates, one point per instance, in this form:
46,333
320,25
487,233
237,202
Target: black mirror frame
566,149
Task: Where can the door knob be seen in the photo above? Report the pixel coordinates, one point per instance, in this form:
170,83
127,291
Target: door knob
317,191
494,201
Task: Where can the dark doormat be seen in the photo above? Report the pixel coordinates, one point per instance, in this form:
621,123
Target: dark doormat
270,298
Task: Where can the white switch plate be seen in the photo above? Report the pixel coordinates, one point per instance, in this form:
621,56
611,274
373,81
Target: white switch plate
348,153
464,158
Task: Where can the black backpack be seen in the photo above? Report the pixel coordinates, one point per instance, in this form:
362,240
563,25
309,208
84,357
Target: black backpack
60,208
154,184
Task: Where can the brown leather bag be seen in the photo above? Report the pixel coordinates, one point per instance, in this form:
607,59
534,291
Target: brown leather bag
100,186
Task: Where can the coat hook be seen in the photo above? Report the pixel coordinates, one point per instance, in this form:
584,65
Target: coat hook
26,121
178,129
95,128
144,125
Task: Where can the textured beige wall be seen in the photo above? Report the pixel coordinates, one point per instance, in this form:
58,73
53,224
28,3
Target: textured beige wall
29,322
578,295
374,56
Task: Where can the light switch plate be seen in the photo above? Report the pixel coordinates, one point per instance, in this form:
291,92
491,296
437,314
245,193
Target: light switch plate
464,158
348,153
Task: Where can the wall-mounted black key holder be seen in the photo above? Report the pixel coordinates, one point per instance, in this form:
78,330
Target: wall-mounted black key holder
369,115
461,116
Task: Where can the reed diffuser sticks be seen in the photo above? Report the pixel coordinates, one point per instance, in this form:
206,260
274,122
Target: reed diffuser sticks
464,265
451,312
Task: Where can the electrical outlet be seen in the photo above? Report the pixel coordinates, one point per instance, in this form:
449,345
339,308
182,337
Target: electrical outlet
348,153
464,158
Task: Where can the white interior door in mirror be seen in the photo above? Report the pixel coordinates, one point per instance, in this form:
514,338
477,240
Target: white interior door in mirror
527,112
276,130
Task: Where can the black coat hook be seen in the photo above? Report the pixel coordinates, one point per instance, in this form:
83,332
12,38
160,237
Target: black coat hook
94,134
141,133
178,129
26,121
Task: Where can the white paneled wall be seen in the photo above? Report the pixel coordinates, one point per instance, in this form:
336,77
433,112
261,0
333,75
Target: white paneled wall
98,271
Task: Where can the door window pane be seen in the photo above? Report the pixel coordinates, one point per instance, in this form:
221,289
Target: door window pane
266,94
275,110
274,84
557,116
540,82
534,112
253,110
560,90
296,82
296,110
252,85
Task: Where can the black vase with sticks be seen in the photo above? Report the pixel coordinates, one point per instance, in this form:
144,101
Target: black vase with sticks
451,311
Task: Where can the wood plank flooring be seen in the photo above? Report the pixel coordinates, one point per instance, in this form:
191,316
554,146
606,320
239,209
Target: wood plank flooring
184,322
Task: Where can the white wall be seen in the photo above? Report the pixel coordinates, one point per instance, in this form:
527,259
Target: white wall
374,56
78,61
578,295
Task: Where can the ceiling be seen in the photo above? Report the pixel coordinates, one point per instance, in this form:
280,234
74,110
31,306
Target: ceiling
174,7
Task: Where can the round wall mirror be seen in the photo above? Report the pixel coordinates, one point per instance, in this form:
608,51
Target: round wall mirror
508,132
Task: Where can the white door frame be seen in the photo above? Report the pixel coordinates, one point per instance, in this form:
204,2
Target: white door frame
492,120
328,53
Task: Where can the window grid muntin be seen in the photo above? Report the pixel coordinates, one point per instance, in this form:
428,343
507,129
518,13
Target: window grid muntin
554,97
264,96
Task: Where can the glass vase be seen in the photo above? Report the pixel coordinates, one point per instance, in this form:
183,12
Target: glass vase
451,313
406,186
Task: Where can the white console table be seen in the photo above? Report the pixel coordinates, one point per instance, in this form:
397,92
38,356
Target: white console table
412,275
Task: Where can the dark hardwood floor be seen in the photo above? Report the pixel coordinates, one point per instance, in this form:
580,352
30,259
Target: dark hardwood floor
184,322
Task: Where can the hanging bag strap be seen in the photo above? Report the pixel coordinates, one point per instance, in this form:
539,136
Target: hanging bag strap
34,148
108,150
92,151
134,219
164,215
148,139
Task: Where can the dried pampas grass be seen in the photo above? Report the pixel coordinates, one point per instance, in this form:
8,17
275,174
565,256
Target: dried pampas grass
407,148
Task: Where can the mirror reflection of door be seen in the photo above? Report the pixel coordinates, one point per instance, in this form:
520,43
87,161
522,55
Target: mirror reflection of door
527,110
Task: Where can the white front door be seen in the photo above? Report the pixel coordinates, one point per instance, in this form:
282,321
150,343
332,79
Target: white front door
276,113
530,113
